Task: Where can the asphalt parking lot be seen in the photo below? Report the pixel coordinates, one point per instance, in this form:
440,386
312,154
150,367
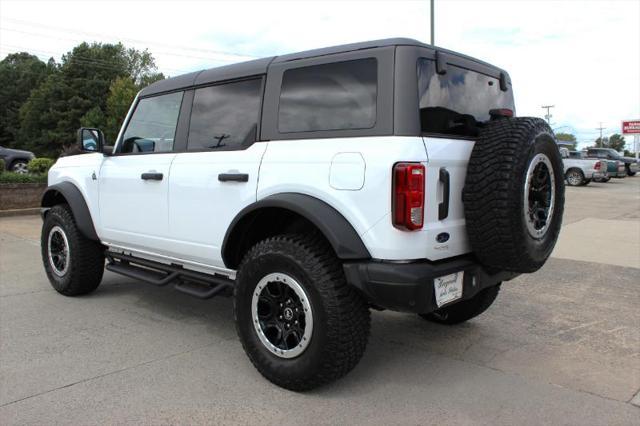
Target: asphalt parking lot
561,346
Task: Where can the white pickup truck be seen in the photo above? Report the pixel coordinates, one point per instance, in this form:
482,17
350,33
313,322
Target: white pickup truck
580,172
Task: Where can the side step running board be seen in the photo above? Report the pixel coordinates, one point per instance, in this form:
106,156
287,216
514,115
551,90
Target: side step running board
193,283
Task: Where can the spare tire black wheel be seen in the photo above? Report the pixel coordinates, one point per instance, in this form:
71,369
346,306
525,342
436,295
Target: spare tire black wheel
514,194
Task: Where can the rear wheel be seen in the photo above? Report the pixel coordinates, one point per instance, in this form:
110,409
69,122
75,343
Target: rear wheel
629,172
73,263
465,310
586,182
299,322
574,177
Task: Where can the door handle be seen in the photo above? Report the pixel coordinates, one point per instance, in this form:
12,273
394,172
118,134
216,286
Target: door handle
443,207
233,177
151,176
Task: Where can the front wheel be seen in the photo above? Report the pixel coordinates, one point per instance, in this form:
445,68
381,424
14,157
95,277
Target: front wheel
465,310
299,322
74,264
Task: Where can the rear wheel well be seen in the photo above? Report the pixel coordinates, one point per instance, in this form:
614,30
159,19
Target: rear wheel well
261,224
574,169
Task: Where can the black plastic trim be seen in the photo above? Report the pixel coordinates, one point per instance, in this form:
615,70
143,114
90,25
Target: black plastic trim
443,207
233,177
337,230
151,176
441,63
78,205
409,287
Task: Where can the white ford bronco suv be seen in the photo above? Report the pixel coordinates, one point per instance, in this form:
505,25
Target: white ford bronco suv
312,187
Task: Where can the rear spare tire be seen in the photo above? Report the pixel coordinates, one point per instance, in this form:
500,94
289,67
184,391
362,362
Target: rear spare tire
514,194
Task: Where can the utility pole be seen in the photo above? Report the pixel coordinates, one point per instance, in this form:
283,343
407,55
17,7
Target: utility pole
548,116
601,129
433,29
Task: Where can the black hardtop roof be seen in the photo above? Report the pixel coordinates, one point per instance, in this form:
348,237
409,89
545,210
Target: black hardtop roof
259,66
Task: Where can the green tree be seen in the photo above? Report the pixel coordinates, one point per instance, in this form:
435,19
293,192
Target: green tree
568,137
617,142
121,93
602,142
20,73
77,95
93,118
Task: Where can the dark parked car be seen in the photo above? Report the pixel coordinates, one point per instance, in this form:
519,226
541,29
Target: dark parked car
630,163
16,160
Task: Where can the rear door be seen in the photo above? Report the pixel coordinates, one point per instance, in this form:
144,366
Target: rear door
217,176
134,182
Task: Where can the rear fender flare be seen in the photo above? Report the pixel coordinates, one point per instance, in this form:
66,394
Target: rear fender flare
340,234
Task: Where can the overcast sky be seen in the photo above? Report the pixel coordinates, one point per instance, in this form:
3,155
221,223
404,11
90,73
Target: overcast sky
581,56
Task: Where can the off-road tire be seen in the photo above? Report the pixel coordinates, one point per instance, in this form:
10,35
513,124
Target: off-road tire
341,318
494,198
465,310
86,264
571,181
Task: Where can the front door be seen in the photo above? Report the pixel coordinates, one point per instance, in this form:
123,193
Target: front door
134,182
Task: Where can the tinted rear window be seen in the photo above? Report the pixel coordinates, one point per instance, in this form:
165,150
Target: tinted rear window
335,96
225,116
454,103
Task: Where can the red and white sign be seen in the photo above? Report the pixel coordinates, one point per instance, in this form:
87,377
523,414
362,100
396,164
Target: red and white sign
631,127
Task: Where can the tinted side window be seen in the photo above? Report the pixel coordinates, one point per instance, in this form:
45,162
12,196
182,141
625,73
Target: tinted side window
454,103
152,127
225,116
335,96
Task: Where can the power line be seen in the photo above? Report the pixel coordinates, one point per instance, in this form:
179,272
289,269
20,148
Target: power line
76,40
9,47
108,36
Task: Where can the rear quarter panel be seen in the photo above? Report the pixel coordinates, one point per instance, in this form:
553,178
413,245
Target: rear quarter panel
309,167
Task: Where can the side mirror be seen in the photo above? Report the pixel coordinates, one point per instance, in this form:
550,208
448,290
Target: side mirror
90,140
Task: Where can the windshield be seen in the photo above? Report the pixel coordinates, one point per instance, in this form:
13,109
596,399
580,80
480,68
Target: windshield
456,102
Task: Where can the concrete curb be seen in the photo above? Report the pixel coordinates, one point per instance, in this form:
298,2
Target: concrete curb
20,212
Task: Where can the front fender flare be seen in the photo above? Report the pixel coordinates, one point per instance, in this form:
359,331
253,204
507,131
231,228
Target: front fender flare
344,239
76,202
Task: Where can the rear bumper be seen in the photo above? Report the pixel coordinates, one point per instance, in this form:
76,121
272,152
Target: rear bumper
599,175
409,287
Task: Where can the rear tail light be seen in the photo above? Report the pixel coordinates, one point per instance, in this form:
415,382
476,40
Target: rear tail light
408,195
598,165
500,113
